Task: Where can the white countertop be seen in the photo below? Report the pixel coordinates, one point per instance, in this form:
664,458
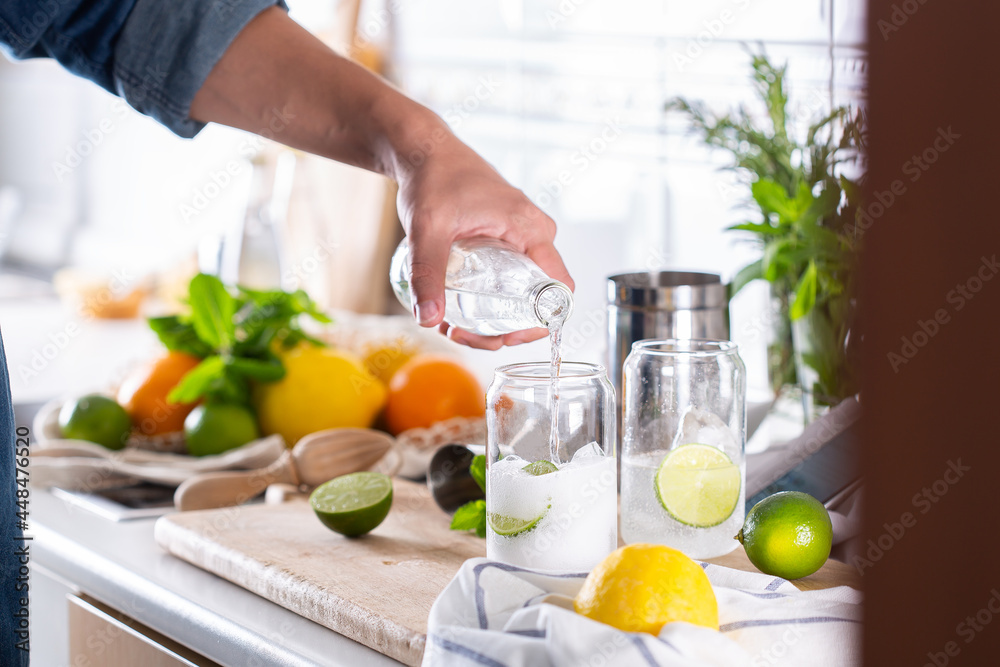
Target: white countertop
120,565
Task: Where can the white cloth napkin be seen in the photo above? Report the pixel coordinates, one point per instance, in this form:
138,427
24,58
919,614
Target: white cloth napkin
499,615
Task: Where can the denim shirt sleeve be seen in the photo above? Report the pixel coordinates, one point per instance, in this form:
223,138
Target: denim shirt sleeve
156,54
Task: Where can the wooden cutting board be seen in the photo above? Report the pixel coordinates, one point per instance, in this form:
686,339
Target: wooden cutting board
377,589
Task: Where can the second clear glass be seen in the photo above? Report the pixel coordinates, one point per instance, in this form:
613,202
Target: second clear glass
684,432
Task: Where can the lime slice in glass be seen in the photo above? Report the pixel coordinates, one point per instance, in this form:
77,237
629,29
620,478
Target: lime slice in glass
510,526
353,504
698,485
542,467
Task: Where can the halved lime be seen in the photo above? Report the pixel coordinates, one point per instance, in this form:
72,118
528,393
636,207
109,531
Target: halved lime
541,467
510,526
353,504
698,485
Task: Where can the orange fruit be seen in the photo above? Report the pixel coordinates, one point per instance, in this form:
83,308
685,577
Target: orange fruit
428,389
143,394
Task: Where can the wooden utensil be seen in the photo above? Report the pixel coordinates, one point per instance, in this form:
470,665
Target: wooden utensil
316,458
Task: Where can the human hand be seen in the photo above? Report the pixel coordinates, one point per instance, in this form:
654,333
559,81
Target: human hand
454,194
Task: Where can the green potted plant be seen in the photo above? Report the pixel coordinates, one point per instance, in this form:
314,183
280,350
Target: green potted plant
805,227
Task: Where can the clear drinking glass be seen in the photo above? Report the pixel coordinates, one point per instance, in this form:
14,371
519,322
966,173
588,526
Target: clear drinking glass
551,502
684,432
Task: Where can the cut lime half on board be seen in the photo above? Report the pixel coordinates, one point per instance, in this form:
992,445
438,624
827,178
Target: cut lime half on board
698,485
353,504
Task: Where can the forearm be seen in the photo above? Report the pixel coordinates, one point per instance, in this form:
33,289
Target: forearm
277,78
276,75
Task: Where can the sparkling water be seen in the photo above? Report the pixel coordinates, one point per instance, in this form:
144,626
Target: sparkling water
577,506
645,520
555,343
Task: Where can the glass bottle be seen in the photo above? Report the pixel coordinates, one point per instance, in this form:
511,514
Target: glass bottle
551,503
491,289
252,252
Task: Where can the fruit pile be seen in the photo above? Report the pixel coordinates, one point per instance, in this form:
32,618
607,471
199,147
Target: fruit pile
239,366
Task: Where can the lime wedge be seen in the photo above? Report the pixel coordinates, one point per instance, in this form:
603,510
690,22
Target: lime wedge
698,485
541,467
353,504
510,526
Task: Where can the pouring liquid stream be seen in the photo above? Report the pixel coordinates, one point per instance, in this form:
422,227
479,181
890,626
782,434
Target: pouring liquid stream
555,342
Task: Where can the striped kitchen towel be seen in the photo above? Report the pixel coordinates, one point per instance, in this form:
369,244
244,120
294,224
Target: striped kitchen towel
498,615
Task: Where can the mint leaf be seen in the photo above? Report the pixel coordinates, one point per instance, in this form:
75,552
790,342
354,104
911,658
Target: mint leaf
178,336
212,310
470,516
198,380
478,471
264,370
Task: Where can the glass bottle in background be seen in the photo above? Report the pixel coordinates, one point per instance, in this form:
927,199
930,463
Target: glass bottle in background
551,510
684,432
252,252
490,288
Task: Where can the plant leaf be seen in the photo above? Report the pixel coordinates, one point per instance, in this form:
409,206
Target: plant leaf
772,197
178,336
469,516
805,293
198,380
212,311
265,370
478,471
759,228
746,275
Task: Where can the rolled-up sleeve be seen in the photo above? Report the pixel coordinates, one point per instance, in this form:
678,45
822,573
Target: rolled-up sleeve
154,53
166,50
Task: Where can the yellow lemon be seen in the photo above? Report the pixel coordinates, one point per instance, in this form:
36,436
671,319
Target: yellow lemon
642,587
322,388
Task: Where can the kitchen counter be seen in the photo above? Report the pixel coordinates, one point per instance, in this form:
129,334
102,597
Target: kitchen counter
120,565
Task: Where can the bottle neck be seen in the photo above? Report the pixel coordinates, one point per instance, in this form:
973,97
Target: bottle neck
551,301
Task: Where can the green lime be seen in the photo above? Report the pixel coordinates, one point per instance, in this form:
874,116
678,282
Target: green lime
787,535
698,485
510,526
353,504
218,427
95,418
541,467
